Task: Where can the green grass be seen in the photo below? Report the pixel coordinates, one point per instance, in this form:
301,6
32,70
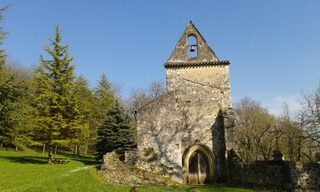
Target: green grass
29,171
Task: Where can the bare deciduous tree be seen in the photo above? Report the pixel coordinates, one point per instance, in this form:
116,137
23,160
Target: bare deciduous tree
292,138
255,134
309,115
140,97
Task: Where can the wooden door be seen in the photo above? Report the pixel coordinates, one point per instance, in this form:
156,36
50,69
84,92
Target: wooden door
198,168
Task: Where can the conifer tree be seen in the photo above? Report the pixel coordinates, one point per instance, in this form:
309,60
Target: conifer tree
57,111
86,103
116,132
105,95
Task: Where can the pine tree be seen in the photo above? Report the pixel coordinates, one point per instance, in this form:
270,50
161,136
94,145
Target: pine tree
105,95
116,132
57,111
84,97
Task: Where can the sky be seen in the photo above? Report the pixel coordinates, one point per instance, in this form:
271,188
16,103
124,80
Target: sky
273,46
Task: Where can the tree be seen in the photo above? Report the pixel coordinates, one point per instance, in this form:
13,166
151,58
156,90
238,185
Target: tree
116,132
309,115
155,89
309,122
255,131
57,111
13,93
104,98
291,137
140,97
10,95
2,36
86,103
105,94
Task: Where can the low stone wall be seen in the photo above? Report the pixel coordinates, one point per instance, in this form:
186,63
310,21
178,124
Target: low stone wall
307,176
131,157
264,174
275,174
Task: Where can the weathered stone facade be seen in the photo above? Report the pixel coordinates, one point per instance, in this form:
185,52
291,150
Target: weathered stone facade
181,134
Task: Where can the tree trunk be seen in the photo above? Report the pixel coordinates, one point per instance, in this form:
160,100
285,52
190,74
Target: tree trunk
50,154
1,145
299,152
85,150
43,149
55,150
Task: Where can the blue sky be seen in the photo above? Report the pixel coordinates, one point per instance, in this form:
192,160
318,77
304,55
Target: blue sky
273,46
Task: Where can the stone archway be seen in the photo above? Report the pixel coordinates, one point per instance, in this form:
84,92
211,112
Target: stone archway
198,164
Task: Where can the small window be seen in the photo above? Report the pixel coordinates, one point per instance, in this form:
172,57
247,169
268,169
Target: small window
192,47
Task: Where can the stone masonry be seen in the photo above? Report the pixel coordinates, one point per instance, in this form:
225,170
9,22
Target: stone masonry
181,134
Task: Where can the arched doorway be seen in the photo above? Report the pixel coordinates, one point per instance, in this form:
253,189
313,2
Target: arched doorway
198,165
199,172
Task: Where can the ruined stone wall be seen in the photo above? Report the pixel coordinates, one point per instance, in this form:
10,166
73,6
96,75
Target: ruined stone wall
284,175
307,177
262,174
131,157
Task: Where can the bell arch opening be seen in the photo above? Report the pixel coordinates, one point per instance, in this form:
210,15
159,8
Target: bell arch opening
197,164
192,45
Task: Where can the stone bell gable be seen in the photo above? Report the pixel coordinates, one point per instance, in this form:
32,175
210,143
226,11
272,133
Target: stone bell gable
181,134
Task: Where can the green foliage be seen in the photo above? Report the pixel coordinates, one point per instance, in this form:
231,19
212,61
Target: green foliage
105,96
13,100
116,132
2,36
58,116
86,102
10,94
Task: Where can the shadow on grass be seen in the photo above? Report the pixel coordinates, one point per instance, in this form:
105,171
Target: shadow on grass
86,160
26,159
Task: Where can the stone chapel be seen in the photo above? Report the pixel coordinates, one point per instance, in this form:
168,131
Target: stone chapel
181,133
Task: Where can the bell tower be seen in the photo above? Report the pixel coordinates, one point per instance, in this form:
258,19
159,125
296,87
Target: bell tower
193,61
194,69
185,127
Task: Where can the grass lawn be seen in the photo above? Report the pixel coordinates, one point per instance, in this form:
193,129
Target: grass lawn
29,171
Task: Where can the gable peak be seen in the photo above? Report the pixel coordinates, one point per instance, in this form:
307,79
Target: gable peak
192,48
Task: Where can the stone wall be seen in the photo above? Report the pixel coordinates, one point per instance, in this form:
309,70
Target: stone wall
131,157
174,122
264,174
307,176
284,175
